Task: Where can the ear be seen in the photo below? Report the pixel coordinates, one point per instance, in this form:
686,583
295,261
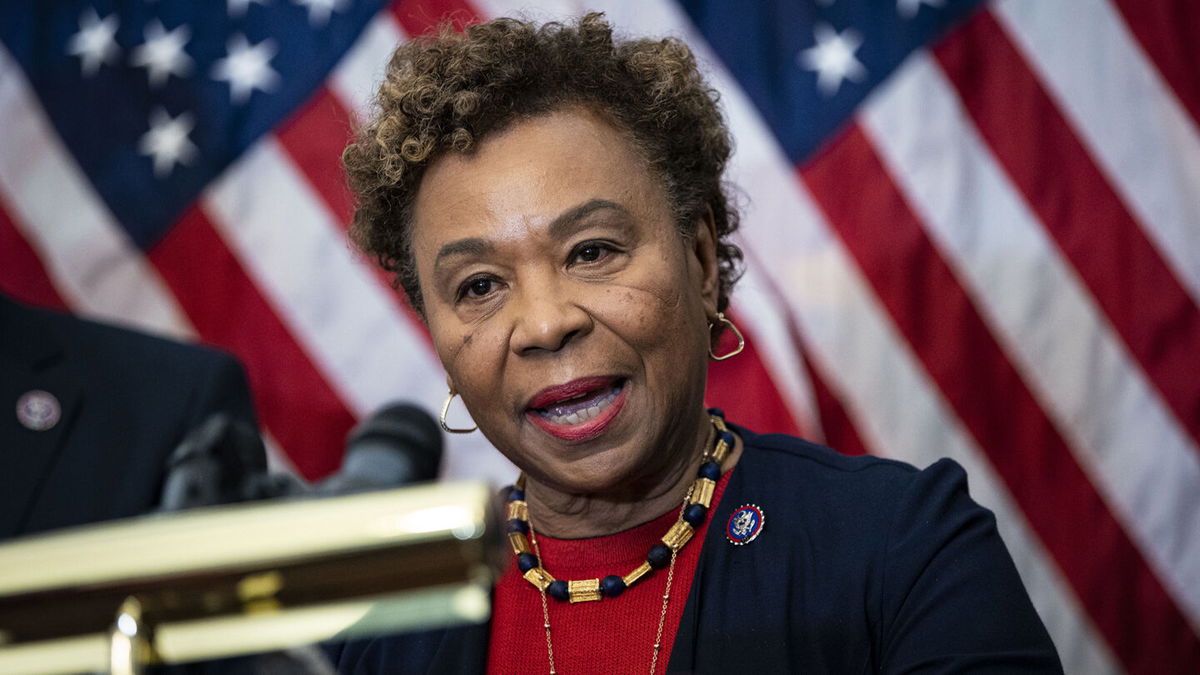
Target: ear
704,257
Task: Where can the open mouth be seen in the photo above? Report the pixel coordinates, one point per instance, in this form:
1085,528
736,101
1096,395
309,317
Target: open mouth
579,409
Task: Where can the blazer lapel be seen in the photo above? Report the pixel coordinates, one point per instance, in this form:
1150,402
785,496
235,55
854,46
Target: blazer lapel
31,359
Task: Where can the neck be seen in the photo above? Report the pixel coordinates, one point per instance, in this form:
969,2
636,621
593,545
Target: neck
573,516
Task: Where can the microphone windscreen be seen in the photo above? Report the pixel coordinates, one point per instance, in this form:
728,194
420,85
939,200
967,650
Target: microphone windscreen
211,463
398,445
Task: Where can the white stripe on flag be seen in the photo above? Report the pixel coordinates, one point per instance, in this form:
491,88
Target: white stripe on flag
285,238
357,76
287,241
1114,420
99,271
543,10
757,305
1125,114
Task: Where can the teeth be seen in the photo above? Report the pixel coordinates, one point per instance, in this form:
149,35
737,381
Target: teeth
558,415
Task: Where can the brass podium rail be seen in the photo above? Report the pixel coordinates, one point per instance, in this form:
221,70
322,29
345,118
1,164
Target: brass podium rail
247,578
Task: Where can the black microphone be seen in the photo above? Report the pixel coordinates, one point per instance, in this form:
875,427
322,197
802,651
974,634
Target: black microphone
223,461
397,445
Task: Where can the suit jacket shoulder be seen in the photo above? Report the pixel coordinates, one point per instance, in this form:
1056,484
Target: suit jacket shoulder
862,564
125,400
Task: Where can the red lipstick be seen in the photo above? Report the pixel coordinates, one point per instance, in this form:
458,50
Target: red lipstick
558,410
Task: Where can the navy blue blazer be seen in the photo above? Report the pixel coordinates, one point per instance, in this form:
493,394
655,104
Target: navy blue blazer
863,565
126,400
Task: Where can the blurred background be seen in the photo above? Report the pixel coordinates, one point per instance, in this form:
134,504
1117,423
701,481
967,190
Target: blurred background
972,229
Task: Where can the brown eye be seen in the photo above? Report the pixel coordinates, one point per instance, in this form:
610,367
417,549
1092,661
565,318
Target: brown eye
589,253
477,287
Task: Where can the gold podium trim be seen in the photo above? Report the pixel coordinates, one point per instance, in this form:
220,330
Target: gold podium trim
245,578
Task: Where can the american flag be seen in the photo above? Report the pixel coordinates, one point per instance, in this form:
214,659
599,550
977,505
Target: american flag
972,229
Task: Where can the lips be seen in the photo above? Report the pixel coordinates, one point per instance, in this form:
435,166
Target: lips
578,410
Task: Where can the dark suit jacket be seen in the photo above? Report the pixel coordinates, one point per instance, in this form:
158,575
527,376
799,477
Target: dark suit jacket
126,401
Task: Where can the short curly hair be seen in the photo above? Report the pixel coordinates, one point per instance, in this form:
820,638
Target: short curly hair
445,92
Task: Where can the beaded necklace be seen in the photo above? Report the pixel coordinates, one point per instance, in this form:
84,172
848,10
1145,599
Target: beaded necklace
691,515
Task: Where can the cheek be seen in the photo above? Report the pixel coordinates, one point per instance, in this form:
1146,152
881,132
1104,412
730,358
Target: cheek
470,354
654,314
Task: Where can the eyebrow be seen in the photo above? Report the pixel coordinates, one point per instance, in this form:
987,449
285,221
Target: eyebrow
569,220
473,246
563,225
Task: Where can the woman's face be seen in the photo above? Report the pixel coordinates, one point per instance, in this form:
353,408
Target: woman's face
568,310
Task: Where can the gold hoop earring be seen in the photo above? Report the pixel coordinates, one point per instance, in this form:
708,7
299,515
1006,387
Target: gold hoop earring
446,409
741,341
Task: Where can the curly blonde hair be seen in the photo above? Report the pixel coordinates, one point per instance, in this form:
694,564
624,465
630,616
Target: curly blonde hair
443,93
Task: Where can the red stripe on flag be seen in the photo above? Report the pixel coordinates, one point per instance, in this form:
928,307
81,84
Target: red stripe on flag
313,139
418,17
962,357
1145,302
742,387
1167,31
294,401
22,274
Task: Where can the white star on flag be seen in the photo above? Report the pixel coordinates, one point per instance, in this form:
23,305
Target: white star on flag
319,10
167,141
238,7
247,68
909,8
94,42
833,58
162,53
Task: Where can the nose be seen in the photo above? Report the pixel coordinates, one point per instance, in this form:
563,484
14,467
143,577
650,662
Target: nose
549,316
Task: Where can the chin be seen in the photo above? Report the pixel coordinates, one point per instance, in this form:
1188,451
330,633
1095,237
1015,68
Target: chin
600,473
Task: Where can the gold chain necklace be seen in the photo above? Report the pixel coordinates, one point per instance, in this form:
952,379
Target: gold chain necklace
691,515
662,615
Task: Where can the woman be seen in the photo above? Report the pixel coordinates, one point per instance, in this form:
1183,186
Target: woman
551,202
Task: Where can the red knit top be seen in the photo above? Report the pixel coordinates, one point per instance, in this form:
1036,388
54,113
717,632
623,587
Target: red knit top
612,635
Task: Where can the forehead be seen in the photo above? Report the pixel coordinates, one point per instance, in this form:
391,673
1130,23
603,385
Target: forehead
528,174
